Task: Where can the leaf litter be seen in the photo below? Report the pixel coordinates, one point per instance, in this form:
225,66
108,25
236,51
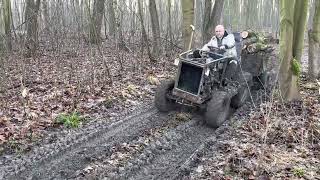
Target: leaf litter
278,140
38,90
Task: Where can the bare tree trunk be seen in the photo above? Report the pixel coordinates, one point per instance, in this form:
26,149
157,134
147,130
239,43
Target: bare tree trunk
144,34
211,18
314,44
132,22
119,23
216,13
293,22
96,21
112,19
46,14
169,23
155,28
206,21
7,22
188,15
31,18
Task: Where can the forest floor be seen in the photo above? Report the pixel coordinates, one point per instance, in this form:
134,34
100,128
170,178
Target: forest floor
120,134
276,141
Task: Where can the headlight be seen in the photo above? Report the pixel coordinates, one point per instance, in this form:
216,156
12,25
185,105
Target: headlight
176,61
207,72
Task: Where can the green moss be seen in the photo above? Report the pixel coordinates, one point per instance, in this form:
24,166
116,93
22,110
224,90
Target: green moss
296,67
299,172
2,44
261,38
261,46
315,36
109,103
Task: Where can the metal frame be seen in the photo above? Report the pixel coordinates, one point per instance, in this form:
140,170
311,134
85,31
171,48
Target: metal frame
187,98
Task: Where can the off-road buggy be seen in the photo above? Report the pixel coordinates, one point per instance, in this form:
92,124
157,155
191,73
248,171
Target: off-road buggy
201,83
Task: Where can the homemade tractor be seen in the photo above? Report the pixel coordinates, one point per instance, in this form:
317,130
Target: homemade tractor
201,83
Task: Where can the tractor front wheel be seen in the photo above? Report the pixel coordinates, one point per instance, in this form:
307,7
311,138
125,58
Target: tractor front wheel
217,109
161,101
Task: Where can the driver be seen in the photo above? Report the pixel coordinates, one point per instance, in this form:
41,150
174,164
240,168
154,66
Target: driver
226,43
223,41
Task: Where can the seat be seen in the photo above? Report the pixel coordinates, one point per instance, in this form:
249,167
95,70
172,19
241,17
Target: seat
238,44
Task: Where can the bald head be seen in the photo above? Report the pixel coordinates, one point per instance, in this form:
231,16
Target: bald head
219,31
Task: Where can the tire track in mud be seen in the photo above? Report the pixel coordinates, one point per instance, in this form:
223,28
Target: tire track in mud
184,141
237,117
128,149
187,144
158,159
42,157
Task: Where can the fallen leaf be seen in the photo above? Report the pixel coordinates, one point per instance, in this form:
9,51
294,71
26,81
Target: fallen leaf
33,115
199,169
2,139
24,92
88,169
132,89
310,85
153,80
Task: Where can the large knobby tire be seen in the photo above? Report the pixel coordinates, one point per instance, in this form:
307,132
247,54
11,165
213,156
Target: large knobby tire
217,109
239,99
246,81
267,79
161,101
246,78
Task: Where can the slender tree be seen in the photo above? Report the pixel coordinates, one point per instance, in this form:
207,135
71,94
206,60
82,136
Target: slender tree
293,17
31,18
46,14
96,21
6,6
314,43
212,17
169,23
155,28
188,16
206,20
144,33
112,18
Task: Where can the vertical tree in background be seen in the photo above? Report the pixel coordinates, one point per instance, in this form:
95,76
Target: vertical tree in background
155,28
188,16
144,33
293,15
169,33
6,7
96,21
31,18
46,14
216,14
206,19
212,17
314,43
112,19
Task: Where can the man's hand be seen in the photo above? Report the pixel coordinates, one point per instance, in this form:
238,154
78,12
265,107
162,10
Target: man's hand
203,53
222,47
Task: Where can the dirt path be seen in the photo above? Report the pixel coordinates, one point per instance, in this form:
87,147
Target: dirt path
160,157
145,144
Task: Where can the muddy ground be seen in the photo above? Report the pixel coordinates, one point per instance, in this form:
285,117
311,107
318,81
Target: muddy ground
125,137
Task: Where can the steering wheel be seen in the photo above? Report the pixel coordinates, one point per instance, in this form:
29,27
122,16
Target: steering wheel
214,50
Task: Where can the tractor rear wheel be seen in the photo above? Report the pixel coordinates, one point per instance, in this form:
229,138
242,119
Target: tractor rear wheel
239,99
